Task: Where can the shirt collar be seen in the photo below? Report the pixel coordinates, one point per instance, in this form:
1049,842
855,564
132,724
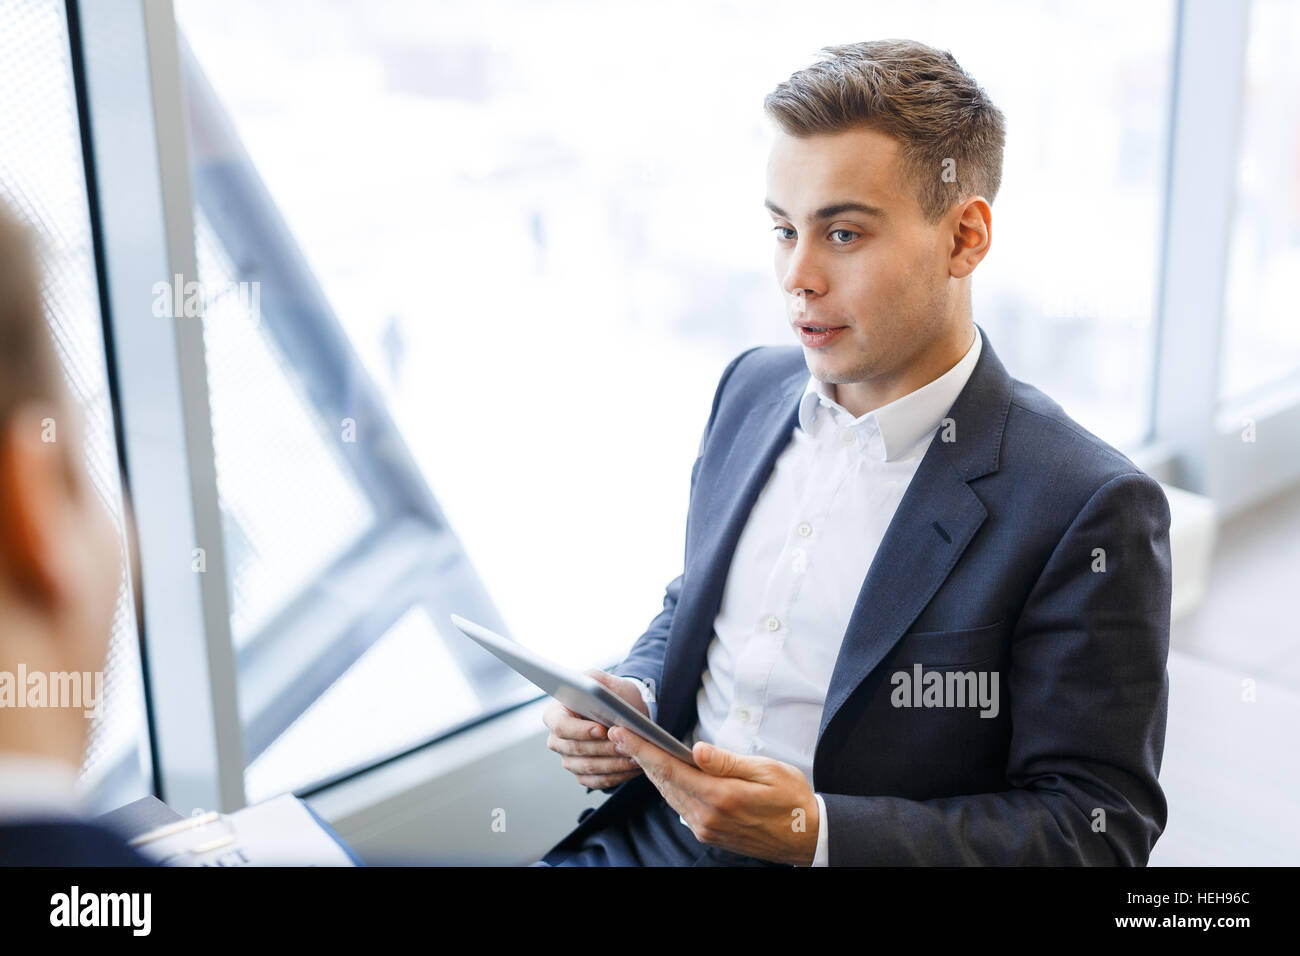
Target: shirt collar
893,429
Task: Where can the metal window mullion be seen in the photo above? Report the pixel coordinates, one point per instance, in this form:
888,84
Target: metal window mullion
1201,180
137,139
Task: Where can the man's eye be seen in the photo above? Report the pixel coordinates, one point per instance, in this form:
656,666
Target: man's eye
845,232
783,229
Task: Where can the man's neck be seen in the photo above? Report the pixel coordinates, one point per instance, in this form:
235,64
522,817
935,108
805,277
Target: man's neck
859,398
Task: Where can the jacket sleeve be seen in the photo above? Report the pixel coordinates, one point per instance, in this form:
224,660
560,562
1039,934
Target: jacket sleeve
1088,689
646,658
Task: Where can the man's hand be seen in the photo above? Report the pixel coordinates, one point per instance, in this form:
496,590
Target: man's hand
754,806
583,743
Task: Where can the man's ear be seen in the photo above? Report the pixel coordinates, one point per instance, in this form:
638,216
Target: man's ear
36,498
972,234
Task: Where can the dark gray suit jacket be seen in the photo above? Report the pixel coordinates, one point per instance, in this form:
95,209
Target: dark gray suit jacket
1026,546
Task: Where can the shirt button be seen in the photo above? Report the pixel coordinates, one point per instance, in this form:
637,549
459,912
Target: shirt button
805,530
773,624
742,714
847,437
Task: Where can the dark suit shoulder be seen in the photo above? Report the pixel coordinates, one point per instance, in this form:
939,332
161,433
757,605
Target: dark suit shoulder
1047,437
64,843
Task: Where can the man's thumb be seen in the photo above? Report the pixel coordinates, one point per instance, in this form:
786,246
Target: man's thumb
616,684
722,763
606,679
622,686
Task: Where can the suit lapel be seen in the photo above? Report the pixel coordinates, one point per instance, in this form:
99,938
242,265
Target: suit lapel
935,521
914,559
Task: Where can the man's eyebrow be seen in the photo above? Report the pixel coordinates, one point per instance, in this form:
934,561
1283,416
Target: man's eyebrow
833,210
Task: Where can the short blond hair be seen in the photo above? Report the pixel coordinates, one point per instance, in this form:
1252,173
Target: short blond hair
952,135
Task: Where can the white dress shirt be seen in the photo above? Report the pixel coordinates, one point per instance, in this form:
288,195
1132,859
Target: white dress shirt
799,565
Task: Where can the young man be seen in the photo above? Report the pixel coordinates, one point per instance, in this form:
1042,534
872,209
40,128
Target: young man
60,563
924,615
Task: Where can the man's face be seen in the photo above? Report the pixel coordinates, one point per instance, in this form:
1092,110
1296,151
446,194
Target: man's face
880,273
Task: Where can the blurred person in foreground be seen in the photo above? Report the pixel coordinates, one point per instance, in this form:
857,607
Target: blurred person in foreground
60,566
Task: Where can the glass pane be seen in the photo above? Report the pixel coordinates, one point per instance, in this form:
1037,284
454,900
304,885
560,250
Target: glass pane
333,540
41,176
288,505
546,246
1261,331
408,689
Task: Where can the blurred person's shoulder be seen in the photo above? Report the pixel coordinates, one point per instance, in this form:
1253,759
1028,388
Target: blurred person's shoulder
43,821
63,842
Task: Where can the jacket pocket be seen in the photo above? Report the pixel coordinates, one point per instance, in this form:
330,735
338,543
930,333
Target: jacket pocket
964,646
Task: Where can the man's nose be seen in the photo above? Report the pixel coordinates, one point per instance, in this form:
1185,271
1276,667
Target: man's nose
802,277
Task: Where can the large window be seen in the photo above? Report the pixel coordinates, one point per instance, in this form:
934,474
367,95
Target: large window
41,177
525,239
1262,321
343,570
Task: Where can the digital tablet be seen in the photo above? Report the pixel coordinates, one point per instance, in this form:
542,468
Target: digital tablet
581,694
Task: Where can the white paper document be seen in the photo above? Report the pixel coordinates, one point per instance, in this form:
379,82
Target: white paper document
277,832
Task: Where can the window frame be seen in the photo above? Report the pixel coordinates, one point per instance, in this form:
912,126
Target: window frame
120,63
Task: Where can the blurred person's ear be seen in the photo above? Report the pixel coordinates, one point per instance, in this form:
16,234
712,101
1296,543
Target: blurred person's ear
59,551
35,490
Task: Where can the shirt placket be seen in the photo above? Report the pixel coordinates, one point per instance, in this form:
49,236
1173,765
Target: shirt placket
828,469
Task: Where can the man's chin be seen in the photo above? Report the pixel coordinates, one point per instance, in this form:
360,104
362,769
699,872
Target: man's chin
843,373
832,369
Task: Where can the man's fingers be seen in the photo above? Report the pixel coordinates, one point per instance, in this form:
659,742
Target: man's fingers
566,724
607,781
663,769
658,764
599,766
581,748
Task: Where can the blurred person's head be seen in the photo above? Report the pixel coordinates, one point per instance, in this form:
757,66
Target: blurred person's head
899,128
59,550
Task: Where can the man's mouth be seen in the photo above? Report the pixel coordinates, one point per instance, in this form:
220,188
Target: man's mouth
819,336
